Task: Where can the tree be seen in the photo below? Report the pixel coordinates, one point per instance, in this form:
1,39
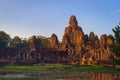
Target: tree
18,43
15,42
4,39
116,32
25,44
2,44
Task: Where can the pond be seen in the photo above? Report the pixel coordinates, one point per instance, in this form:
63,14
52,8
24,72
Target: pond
61,75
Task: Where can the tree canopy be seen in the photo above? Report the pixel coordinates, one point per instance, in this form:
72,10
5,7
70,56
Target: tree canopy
4,39
18,43
116,32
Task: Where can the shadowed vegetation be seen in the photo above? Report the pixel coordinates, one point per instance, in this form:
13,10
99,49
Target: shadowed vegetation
60,67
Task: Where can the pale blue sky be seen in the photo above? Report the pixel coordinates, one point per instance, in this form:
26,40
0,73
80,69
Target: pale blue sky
44,17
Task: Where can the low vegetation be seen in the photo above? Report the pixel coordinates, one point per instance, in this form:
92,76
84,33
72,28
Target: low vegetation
60,67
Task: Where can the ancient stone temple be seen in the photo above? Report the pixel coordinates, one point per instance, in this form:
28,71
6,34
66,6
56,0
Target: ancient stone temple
35,44
76,48
54,43
82,48
73,39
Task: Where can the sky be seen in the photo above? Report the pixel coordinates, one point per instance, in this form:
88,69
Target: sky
25,18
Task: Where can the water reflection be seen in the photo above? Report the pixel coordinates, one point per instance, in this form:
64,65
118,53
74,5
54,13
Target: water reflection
50,75
105,76
98,76
11,74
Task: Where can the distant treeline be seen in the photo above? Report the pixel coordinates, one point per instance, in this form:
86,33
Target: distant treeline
19,43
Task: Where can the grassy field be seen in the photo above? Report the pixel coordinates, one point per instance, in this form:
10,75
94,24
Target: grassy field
60,67
55,71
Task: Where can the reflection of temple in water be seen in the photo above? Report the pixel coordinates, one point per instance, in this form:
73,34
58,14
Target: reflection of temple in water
97,76
105,76
51,75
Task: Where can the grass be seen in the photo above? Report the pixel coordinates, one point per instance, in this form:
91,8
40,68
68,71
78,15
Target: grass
53,71
60,67
95,68
40,67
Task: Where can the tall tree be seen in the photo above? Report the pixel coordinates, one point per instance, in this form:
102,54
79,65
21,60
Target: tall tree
116,32
25,44
18,43
15,42
4,39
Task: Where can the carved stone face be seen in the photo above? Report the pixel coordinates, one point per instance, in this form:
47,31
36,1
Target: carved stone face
73,21
54,41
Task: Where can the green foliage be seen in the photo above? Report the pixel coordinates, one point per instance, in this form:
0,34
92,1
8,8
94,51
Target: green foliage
117,50
15,42
4,39
25,44
2,44
116,32
18,43
59,67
